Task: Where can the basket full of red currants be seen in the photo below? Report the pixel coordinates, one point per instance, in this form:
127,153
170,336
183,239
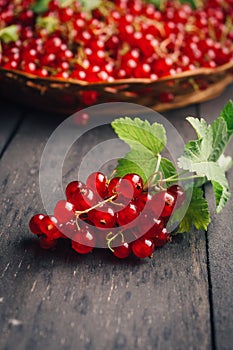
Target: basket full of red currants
62,55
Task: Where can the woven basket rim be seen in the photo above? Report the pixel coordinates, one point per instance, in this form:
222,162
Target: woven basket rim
75,82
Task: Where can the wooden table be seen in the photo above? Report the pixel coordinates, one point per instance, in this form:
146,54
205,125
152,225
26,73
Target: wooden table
181,299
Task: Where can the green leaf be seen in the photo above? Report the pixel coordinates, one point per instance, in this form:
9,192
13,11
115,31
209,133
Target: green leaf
49,23
213,173
139,160
9,34
227,115
197,213
90,4
193,3
136,131
220,138
222,195
199,125
201,156
167,168
40,6
225,162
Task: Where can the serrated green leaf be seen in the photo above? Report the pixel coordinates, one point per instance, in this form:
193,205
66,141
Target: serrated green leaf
167,169
213,173
136,131
197,213
139,160
199,125
206,146
227,115
9,34
225,162
222,195
220,138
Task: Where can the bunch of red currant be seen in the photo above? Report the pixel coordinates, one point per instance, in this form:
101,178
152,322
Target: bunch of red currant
118,40
120,214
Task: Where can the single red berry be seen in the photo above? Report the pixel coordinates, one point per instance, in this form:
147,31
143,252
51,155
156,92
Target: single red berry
131,186
160,239
35,223
143,199
155,229
122,251
83,199
83,241
64,211
113,186
65,14
179,193
97,182
103,217
72,187
162,204
89,97
49,226
143,247
127,214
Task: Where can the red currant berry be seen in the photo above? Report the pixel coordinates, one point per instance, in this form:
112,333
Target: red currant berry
103,217
131,186
35,223
83,241
122,251
155,229
72,187
160,239
179,193
83,199
127,214
162,204
89,97
64,211
143,247
49,226
142,200
97,182
113,186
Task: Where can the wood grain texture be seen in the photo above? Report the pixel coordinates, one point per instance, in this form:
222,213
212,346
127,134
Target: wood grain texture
60,300
220,246
10,118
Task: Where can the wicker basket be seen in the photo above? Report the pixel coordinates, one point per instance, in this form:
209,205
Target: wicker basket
65,96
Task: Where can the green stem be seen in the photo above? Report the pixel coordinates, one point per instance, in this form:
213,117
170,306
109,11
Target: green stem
158,163
183,178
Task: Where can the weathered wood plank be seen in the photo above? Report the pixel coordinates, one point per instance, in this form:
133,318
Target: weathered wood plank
60,300
10,118
220,247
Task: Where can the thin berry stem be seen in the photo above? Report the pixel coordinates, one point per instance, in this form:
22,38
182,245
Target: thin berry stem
78,213
158,163
110,239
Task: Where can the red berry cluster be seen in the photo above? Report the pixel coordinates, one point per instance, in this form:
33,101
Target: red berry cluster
118,213
120,39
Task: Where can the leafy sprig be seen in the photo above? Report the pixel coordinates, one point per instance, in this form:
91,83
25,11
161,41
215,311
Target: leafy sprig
203,160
